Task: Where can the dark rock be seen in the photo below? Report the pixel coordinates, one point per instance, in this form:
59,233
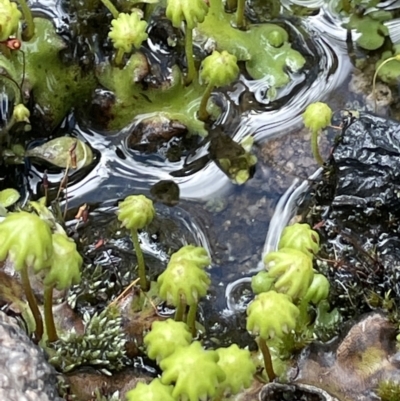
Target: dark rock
367,164
25,375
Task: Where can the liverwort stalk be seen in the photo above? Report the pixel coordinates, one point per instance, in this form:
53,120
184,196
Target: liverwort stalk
397,58
184,281
136,212
64,272
191,13
316,117
30,26
218,69
127,31
316,293
240,21
27,241
111,8
271,315
231,5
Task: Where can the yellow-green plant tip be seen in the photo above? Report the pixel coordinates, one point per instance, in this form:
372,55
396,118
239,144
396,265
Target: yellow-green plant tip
165,337
194,371
193,254
276,38
301,237
292,270
261,282
182,281
8,197
9,19
219,69
317,116
66,263
128,30
136,212
271,314
154,391
26,239
318,290
192,12
21,113
238,367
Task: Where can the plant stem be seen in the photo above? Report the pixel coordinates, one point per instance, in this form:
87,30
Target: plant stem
303,319
140,259
180,308
314,147
396,57
30,297
118,57
111,8
267,359
30,26
48,314
191,69
203,113
191,319
5,50
240,23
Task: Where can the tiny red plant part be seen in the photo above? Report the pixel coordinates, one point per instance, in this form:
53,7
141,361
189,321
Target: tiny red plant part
12,43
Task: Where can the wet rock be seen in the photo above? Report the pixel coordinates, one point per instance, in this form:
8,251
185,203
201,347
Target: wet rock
294,392
83,384
367,162
11,290
166,191
357,210
152,133
63,152
25,375
351,369
291,154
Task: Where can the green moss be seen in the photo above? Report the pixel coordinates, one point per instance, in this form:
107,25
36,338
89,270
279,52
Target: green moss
389,390
102,345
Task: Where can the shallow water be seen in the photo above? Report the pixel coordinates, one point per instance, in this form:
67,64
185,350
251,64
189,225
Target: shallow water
231,221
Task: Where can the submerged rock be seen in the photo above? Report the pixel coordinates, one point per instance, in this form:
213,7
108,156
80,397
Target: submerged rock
25,375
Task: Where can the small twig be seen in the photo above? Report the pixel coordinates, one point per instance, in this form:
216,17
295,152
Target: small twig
134,282
72,154
82,215
45,184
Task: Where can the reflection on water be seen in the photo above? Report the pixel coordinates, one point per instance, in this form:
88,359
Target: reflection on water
235,219
122,171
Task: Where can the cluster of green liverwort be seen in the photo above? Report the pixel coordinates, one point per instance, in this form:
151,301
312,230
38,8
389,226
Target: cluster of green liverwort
285,291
